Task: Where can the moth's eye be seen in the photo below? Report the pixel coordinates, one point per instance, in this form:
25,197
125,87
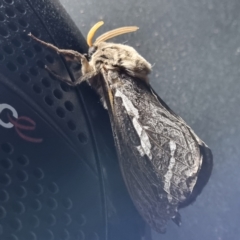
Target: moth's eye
91,51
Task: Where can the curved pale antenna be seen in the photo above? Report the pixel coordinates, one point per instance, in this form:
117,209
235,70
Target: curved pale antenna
92,32
116,32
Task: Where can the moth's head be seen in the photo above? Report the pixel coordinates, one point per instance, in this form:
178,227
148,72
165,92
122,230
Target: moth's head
93,47
92,50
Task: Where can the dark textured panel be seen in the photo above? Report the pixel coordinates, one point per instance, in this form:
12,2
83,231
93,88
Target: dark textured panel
49,182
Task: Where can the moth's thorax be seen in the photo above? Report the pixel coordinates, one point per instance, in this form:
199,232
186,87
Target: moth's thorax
123,57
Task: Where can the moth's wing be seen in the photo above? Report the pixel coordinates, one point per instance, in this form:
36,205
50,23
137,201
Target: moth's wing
207,159
159,155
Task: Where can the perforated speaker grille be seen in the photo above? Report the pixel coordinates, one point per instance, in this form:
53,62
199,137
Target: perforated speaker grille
49,186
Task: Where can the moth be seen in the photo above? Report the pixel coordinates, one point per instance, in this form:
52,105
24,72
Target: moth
164,164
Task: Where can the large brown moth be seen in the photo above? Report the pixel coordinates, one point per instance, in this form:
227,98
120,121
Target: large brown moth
163,162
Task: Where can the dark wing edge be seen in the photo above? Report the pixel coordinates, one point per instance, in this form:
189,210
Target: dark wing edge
203,175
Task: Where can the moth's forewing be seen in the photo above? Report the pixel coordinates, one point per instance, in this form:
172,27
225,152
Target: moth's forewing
159,155
207,160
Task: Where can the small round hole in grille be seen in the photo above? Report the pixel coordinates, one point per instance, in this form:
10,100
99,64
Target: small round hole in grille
49,100
7,148
53,188
64,87
1,57
66,219
11,67
25,37
57,93
71,125
36,205
2,212
37,89
5,179
50,220
13,237
46,83
22,175
6,164
20,9
23,160
38,173
18,207
4,196
21,60
50,59
23,23
20,191
1,17
15,224
8,1
82,138
3,32
46,235
33,71
8,49
67,203
37,48
80,235
24,77
16,43
60,112
9,12
12,26
40,64
37,189
34,221
29,53
69,106
52,203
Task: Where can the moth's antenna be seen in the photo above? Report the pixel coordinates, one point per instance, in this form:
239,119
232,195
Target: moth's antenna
92,32
116,32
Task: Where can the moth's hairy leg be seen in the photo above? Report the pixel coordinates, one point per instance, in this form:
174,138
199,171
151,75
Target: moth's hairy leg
73,84
59,77
49,45
69,55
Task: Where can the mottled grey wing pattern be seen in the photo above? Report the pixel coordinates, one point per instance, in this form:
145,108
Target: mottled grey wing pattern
159,154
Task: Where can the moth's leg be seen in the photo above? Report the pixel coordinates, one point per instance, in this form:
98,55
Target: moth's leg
69,55
73,84
59,77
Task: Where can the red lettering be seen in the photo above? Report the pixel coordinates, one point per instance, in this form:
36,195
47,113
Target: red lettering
29,125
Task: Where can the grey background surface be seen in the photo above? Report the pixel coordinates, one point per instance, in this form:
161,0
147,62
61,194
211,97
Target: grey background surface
195,48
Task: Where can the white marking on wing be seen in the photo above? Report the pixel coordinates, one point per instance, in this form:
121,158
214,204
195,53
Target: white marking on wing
169,173
127,104
145,147
145,142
